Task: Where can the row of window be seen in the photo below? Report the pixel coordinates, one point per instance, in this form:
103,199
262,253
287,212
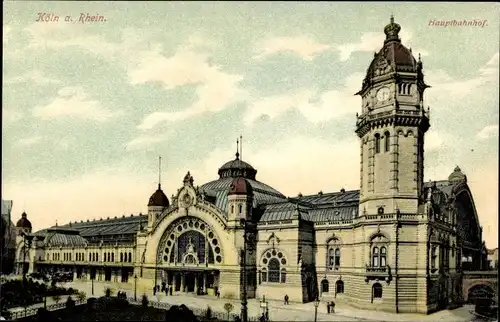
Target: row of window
387,142
339,288
378,257
93,257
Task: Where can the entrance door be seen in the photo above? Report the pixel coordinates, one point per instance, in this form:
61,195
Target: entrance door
190,277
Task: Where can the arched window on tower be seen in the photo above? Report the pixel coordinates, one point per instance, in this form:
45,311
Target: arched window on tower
232,209
383,253
339,287
240,208
387,141
376,291
325,286
377,143
375,257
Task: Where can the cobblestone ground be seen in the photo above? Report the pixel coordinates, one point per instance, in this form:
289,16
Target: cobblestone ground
277,310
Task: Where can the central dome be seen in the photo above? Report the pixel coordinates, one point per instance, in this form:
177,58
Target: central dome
237,168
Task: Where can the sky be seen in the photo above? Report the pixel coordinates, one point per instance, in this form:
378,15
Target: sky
87,108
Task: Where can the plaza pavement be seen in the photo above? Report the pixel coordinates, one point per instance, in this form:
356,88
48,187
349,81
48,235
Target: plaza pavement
277,310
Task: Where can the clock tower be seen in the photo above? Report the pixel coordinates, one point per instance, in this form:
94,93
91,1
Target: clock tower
391,129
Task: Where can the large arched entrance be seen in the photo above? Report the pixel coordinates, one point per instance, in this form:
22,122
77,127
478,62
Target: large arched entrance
188,256
480,293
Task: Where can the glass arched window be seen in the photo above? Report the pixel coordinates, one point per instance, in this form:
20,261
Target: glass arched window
339,287
130,257
383,255
377,143
264,275
274,270
121,257
90,257
433,256
387,141
377,290
105,256
337,257
232,209
331,258
325,286
283,276
375,257
97,257
240,208
112,257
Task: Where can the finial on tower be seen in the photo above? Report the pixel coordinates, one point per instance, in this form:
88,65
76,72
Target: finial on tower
159,172
237,149
392,30
241,147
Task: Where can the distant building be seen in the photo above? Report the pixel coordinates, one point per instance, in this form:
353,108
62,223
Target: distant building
7,238
397,244
493,258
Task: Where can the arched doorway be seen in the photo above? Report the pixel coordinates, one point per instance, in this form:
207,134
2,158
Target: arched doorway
325,286
480,294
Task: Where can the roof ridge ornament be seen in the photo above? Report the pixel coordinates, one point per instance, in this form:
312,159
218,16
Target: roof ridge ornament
237,150
392,30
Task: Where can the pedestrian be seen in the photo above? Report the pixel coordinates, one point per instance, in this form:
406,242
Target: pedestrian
262,318
166,290
286,299
332,304
328,305
154,290
170,289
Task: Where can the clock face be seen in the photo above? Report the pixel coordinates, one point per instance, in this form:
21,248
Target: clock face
383,94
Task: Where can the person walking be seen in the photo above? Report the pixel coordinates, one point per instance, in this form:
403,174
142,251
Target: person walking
286,299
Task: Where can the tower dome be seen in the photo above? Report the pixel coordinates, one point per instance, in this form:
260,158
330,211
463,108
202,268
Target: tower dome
393,57
158,199
23,222
240,186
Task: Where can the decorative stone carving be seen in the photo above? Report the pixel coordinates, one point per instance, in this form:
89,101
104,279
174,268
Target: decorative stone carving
273,239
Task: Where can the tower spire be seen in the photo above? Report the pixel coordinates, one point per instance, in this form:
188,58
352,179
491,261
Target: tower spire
237,150
241,147
159,172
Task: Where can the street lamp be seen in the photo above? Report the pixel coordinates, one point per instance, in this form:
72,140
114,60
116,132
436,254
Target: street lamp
27,240
247,246
316,304
263,305
135,288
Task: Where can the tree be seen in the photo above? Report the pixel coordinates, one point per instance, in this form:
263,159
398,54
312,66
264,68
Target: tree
228,307
81,296
56,298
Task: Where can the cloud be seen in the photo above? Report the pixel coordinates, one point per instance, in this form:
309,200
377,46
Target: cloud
303,46
434,140
215,89
11,115
144,141
372,42
487,132
25,142
32,76
314,106
6,34
450,89
308,48
73,102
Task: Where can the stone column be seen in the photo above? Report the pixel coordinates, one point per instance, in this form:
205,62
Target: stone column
182,282
205,282
196,284
166,277
174,285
